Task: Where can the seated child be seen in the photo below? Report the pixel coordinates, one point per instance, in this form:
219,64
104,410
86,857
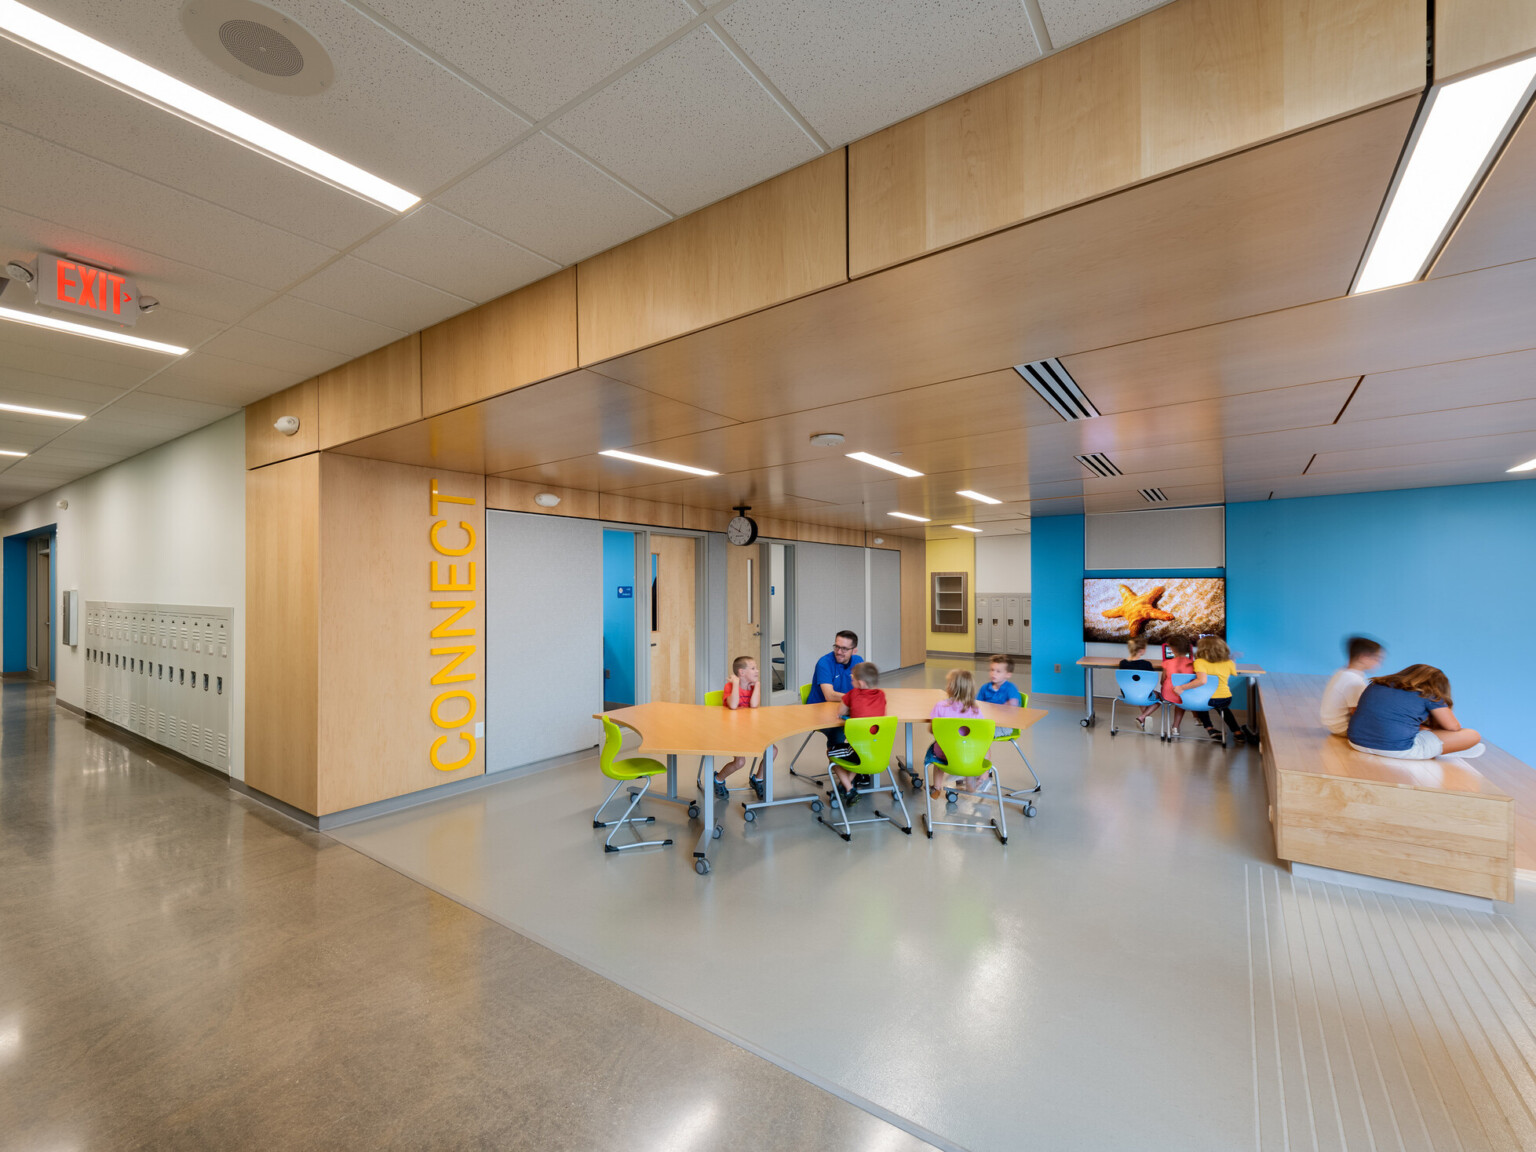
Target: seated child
864,699
743,689
1000,688
1177,664
1408,716
959,700
1345,685
1214,658
1135,659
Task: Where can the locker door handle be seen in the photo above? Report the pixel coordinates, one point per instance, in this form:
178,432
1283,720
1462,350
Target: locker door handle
994,619
1010,623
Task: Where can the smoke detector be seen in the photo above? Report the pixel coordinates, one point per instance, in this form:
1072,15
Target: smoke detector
827,439
258,44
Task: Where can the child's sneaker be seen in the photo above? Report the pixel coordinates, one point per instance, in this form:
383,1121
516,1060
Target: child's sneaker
1174,733
757,786
721,791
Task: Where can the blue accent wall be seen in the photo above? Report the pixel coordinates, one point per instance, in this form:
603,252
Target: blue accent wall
14,589
1056,632
1439,575
619,616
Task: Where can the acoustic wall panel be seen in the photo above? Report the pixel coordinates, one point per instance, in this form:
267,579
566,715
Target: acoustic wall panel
544,637
829,595
1157,538
885,609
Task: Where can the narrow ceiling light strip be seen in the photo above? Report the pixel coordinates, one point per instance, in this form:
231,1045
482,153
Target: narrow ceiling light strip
60,41
909,516
1056,387
651,460
969,495
8,452
39,321
965,528
1528,466
25,411
881,462
1459,133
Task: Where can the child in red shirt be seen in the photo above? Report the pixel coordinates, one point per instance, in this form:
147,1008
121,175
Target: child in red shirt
864,699
744,689
1174,665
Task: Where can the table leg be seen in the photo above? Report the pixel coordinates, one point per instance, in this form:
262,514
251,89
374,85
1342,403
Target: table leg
670,796
1088,696
711,829
749,811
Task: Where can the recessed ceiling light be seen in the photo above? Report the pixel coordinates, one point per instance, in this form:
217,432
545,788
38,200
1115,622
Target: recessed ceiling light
8,452
25,411
969,495
40,321
614,452
60,41
909,516
1458,133
965,528
1528,466
889,466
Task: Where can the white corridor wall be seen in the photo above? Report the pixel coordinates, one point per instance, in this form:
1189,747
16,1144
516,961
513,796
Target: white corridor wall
165,527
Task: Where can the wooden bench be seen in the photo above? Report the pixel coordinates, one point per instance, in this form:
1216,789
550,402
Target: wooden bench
1438,823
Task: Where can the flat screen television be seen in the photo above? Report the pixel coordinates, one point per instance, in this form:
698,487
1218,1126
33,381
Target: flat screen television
1156,608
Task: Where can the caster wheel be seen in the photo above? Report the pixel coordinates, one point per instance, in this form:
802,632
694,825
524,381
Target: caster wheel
1086,723
1029,809
815,805
1114,731
952,796
701,866
693,811
749,816
719,828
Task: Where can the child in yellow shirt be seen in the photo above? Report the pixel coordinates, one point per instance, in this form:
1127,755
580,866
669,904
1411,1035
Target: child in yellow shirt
1214,658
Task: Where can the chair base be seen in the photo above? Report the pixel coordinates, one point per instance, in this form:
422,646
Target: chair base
628,820
1162,719
999,825
837,820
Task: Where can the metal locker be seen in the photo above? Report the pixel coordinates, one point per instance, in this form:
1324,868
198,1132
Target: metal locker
983,620
1013,620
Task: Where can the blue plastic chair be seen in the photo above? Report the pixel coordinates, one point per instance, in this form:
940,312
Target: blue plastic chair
1138,688
1192,700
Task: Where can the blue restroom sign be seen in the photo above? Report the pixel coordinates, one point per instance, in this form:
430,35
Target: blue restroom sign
626,591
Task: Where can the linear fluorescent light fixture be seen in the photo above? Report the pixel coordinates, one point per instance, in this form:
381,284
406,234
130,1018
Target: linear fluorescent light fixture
25,411
61,42
8,452
969,495
651,460
909,516
966,528
37,320
1057,388
1456,138
879,462
1528,466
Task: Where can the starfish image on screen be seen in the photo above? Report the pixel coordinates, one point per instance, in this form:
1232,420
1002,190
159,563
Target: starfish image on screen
1136,610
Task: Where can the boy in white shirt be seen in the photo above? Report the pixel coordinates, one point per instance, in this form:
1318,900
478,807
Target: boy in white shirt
1345,685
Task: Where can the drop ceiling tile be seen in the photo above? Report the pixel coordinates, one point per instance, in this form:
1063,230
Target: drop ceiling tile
551,201
320,327
373,293
852,66
451,254
38,391
146,410
76,111
1071,20
179,287
1438,387
135,363
54,183
391,110
232,393
24,434
538,54
272,352
63,358
688,126
219,380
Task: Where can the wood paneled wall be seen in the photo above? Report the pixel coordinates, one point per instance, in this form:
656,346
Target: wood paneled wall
373,393
264,444
1182,84
522,337
376,622
914,599
1472,33
282,617
781,239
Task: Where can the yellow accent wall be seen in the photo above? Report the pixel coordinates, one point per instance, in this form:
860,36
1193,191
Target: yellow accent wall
951,556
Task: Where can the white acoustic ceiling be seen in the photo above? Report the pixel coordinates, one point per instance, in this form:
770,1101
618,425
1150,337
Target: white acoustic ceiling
537,133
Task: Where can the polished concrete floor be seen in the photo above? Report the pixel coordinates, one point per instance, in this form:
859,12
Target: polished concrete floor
1132,971
182,968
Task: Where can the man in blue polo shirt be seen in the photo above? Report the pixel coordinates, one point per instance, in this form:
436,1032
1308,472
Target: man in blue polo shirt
833,677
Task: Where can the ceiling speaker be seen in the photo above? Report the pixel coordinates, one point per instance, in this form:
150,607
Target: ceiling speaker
258,44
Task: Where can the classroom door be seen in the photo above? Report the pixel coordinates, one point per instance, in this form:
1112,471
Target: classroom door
743,629
40,608
673,618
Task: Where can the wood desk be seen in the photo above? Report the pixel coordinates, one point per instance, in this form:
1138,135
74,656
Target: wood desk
1089,663
674,730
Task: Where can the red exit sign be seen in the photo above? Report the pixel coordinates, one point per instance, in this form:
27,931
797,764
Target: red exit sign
77,287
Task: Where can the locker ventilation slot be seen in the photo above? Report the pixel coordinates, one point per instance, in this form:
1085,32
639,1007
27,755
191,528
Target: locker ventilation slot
1057,388
1099,464
1153,495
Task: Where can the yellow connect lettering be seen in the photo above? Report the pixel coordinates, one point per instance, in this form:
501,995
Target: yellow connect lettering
447,577
445,628
470,706
450,583
453,765
441,676
469,531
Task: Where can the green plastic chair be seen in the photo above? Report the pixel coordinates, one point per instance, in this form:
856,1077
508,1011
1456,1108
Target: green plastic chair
874,741
716,699
625,772
964,741
1023,797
